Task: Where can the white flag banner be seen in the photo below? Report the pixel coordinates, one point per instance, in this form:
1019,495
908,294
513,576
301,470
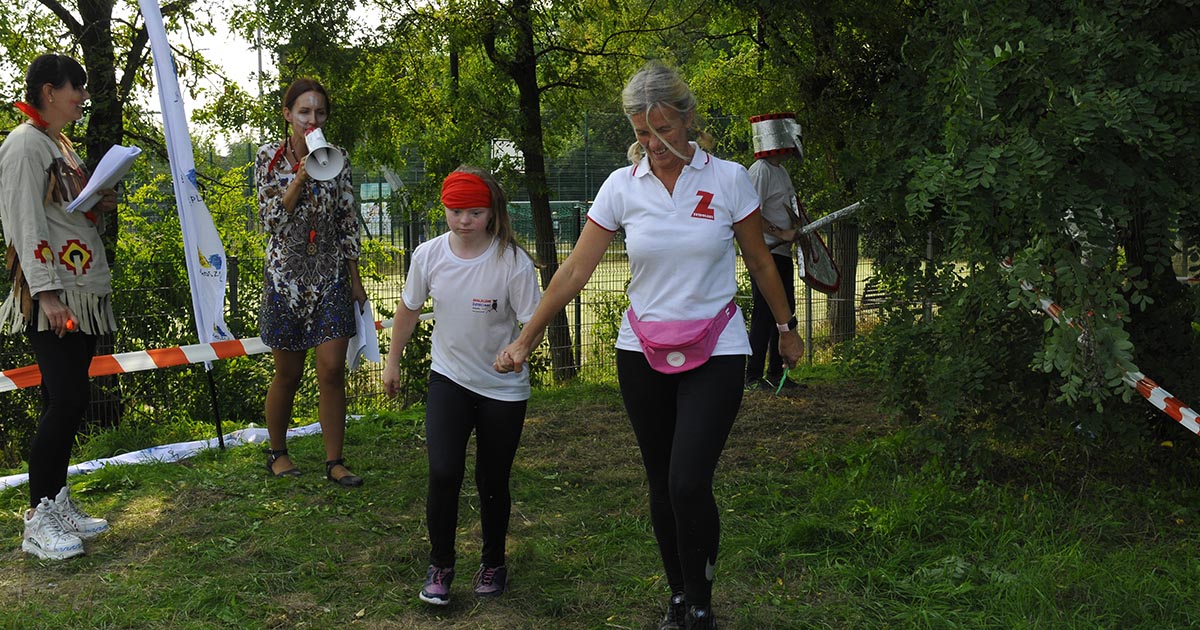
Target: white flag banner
202,248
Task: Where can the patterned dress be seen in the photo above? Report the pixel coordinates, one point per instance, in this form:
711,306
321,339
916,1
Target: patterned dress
307,297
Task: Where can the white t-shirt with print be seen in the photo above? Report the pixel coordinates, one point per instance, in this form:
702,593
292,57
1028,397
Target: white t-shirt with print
477,303
681,245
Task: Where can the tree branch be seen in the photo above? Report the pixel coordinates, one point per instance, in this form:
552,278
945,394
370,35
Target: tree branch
65,17
603,50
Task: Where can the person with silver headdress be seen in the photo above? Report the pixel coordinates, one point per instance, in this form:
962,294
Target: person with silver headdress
776,138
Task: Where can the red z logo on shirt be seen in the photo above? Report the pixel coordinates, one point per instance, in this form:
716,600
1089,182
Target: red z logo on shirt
703,209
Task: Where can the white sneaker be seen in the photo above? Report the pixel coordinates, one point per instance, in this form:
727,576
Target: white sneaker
45,536
74,520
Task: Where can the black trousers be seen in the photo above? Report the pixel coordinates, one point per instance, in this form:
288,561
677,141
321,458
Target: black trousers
764,336
451,414
66,393
681,422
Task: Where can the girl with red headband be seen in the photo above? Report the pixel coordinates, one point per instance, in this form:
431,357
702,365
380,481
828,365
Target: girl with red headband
311,284
483,286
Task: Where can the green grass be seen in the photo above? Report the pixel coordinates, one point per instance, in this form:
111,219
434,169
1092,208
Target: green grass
831,519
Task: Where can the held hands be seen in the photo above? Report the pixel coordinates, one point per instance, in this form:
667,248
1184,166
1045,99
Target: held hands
511,358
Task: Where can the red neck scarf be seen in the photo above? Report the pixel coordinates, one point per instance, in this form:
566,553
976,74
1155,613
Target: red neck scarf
464,190
33,114
279,154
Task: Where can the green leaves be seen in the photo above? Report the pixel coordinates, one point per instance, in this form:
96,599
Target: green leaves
1055,135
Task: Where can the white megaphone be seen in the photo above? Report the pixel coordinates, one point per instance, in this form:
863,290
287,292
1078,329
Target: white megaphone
324,161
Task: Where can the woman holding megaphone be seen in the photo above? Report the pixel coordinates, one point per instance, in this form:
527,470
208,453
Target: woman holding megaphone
311,284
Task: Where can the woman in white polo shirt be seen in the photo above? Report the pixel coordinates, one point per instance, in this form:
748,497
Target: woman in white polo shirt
682,209
482,284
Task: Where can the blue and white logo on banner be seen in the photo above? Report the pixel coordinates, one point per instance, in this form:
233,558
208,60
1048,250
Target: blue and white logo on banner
204,253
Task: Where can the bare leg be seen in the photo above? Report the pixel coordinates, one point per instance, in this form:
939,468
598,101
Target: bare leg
281,395
331,382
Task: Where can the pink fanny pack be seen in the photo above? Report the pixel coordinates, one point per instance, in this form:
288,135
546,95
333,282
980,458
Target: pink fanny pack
678,346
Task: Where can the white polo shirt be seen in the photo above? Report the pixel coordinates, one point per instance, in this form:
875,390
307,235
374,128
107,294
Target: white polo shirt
477,303
681,245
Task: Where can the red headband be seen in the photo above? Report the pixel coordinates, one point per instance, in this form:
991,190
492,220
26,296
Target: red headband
464,190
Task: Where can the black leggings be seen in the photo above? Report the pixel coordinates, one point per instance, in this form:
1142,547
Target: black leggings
764,336
66,393
681,422
451,413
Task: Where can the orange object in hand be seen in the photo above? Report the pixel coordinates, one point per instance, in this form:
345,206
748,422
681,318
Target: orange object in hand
70,324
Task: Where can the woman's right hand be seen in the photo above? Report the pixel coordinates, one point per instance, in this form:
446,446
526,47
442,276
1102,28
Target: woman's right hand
302,170
62,320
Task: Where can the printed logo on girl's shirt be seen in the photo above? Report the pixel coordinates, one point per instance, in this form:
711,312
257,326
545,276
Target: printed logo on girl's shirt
484,305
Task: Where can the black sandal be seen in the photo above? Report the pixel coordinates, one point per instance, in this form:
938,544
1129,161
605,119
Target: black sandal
272,456
348,480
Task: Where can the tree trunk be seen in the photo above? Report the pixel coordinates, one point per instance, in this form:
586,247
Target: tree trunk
522,69
1161,333
841,304
106,127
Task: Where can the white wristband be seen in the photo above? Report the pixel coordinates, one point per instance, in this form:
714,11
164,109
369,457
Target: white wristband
783,327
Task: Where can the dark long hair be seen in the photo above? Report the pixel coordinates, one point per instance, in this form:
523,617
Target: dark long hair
302,85
57,70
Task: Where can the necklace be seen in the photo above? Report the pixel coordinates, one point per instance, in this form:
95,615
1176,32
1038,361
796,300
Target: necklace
295,156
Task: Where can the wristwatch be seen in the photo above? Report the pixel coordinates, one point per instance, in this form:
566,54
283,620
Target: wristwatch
789,326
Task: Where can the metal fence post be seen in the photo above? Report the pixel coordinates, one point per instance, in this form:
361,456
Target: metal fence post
578,300
232,278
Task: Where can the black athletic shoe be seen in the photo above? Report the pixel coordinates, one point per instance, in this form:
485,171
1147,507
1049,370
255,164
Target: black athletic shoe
759,385
676,612
701,619
789,386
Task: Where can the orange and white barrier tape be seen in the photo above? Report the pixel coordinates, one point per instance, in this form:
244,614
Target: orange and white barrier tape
1151,391
125,362
1163,399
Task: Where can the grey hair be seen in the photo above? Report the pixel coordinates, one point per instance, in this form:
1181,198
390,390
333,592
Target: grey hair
656,85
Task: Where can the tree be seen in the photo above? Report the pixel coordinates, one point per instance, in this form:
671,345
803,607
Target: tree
105,42
1060,138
